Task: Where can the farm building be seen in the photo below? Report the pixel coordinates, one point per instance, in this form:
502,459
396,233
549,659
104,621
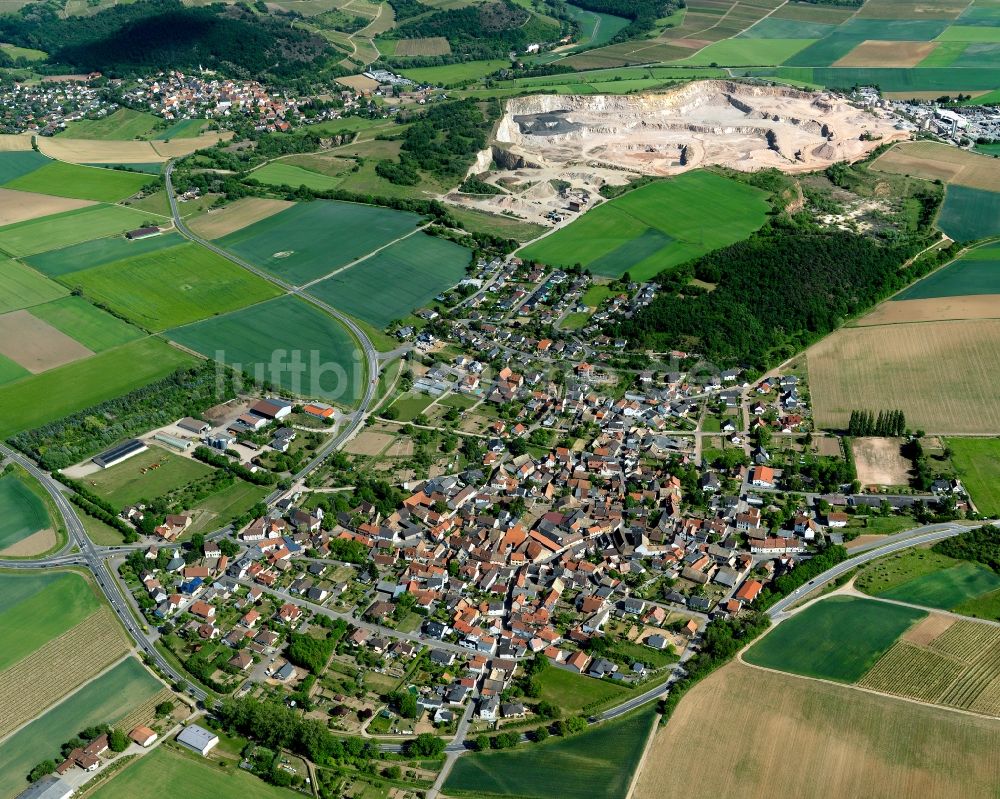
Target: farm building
47,788
271,408
142,736
119,453
319,410
197,739
194,425
143,233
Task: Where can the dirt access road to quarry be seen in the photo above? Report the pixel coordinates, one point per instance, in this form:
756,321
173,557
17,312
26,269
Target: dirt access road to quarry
590,140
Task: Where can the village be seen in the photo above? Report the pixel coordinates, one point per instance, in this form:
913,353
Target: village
592,521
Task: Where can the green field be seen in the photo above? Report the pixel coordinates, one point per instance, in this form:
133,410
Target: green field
105,700
21,287
11,371
970,33
946,588
187,775
478,222
230,503
839,638
44,606
181,129
969,214
18,164
943,79
78,257
282,329
97,330
22,512
121,125
590,765
986,606
312,239
657,226
45,397
409,406
80,182
279,174
774,28
453,73
595,29
404,276
978,272
23,52
125,484
578,693
172,287
901,567
748,52
977,461
72,227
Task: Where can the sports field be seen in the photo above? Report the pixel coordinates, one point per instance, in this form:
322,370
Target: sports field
279,174
970,214
21,287
95,329
73,227
814,740
977,272
312,239
42,398
269,338
593,764
187,775
172,287
404,276
839,638
80,182
41,607
105,700
22,513
977,461
78,257
899,366
130,481
657,226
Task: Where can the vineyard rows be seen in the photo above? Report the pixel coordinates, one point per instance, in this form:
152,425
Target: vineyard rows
977,681
49,673
967,639
913,671
146,712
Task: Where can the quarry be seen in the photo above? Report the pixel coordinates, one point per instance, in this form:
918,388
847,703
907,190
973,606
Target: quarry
551,154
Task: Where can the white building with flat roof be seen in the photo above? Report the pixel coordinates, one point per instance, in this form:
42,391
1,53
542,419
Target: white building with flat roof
198,739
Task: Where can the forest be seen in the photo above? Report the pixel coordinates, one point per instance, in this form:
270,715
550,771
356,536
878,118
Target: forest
982,546
489,30
164,34
774,293
642,13
445,139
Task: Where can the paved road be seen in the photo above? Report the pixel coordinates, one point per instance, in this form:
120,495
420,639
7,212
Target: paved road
924,535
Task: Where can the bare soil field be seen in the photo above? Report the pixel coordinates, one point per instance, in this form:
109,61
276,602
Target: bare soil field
36,345
368,443
15,142
923,632
879,462
359,82
20,206
873,53
236,216
861,540
785,737
942,375
34,544
934,309
593,140
933,161
434,45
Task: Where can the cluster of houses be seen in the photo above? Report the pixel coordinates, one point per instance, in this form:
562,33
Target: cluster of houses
46,107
